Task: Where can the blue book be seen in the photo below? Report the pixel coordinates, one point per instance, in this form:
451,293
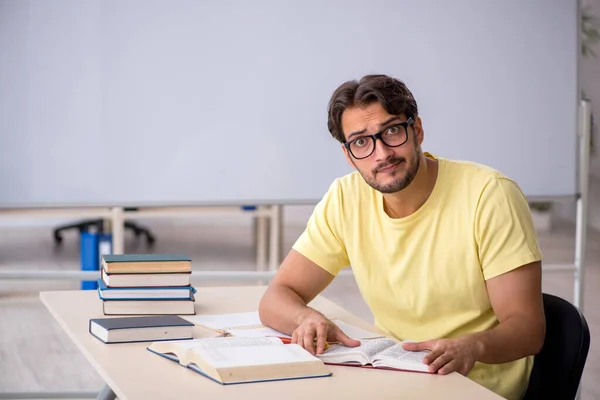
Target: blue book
234,360
144,293
140,329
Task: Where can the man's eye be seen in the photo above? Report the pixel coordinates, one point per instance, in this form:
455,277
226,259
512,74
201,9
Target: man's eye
392,130
360,142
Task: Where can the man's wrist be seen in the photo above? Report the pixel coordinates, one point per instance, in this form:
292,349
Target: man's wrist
301,315
477,346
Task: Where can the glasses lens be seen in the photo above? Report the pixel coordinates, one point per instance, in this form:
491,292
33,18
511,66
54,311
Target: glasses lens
362,147
394,136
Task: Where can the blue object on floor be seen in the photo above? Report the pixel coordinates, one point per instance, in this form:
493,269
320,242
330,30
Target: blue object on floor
89,257
92,246
249,208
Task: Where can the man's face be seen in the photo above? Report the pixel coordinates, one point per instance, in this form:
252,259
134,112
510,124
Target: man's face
387,169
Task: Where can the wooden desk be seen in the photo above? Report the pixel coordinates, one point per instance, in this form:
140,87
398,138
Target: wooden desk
132,372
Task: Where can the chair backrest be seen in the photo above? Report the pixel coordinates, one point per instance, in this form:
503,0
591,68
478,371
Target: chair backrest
558,367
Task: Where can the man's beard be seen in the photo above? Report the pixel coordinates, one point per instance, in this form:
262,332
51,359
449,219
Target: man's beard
400,182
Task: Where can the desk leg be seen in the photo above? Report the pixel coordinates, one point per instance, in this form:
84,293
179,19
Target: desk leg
275,237
261,237
106,393
118,230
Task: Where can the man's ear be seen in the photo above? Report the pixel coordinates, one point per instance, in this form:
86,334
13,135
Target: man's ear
418,129
348,157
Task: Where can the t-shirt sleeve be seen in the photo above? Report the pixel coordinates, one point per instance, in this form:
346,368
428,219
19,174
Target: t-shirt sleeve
504,230
322,241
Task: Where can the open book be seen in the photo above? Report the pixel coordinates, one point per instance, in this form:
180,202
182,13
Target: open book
381,353
242,360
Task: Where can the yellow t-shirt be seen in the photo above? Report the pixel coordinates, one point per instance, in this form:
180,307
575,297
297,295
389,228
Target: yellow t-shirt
423,276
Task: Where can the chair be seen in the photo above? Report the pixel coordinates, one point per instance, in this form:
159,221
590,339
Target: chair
558,367
83,226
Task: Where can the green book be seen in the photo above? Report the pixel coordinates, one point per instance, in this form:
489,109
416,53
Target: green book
146,263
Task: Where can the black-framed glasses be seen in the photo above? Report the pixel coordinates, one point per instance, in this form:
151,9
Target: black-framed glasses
393,136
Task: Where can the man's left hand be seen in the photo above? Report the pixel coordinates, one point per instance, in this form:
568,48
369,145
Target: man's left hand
447,355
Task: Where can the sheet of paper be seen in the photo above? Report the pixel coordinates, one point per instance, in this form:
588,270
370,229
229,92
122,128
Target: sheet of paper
248,324
245,324
355,332
226,321
261,332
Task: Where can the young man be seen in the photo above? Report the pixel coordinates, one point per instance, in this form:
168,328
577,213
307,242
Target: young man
444,252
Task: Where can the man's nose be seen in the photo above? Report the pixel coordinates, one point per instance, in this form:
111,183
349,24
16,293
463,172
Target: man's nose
382,151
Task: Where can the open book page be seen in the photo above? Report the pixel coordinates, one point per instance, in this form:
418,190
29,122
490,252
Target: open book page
214,343
239,352
182,349
397,357
362,354
222,357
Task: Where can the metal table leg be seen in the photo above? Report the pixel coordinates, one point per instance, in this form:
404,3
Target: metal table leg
106,393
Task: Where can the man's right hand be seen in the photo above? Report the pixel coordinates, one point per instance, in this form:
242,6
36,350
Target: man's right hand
315,328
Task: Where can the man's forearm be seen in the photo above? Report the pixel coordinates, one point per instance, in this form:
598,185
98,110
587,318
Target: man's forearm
512,339
283,309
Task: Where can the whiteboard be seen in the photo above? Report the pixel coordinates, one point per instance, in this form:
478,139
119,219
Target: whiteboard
134,103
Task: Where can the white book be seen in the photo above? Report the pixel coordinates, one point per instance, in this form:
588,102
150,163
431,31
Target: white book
148,307
146,279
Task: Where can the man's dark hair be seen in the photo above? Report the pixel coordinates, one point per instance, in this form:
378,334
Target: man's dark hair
391,93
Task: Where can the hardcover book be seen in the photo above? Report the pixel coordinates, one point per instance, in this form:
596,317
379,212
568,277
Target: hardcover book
242,360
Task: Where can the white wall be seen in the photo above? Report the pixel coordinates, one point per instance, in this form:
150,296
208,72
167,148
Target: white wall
153,84
300,216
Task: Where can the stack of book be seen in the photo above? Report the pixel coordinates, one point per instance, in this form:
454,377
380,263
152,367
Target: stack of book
146,284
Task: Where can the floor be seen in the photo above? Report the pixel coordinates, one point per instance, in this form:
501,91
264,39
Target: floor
36,356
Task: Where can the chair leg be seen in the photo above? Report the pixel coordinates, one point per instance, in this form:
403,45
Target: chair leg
139,230
81,226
